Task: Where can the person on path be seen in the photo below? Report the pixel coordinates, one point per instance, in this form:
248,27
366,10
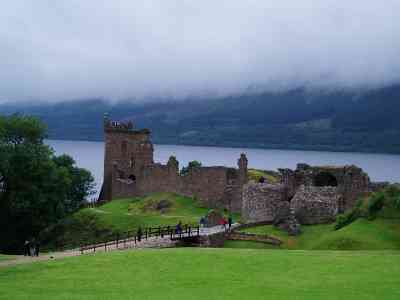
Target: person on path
26,248
37,248
230,221
178,228
139,234
223,223
32,248
202,221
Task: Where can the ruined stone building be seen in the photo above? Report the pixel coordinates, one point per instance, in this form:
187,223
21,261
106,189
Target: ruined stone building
130,170
313,194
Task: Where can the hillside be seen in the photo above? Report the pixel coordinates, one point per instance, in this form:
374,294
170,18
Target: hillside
114,218
363,234
190,273
364,121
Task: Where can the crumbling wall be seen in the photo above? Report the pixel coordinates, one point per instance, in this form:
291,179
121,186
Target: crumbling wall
315,205
262,201
351,181
129,170
207,184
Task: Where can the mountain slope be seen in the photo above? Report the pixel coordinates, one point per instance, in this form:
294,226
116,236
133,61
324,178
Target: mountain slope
365,121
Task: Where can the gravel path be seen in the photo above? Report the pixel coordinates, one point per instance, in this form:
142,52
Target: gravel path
152,242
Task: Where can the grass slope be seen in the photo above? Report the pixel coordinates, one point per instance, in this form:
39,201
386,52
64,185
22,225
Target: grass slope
6,257
189,273
255,174
378,234
118,216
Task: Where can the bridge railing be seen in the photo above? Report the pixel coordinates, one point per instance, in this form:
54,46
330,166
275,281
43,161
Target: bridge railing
134,237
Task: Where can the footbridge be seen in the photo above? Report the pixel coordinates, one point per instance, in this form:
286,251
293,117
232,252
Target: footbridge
155,237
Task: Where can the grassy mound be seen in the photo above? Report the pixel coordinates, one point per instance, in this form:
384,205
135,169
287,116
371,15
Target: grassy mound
363,234
189,273
270,176
119,216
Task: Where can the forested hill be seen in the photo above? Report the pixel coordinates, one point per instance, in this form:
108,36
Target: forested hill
339,121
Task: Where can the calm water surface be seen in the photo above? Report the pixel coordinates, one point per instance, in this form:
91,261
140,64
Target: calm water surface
380,167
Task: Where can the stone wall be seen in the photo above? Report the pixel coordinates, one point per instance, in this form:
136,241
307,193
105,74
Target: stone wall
129,171
262,201
315,205
351,181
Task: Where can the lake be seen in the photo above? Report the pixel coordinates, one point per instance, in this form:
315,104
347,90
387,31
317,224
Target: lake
380,167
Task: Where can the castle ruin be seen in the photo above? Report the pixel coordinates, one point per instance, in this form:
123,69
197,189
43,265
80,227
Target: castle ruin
310,194
130,171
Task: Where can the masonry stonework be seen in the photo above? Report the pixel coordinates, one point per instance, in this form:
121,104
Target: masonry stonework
315,205
309,194
130,170
263,201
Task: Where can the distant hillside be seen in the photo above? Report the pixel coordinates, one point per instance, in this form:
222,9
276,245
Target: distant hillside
337,121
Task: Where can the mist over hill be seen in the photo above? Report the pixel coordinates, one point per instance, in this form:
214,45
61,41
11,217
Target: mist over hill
365,121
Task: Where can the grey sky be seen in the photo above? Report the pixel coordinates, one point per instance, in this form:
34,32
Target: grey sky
56,50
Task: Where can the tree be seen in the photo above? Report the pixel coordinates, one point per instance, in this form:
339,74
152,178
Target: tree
191,165
37,188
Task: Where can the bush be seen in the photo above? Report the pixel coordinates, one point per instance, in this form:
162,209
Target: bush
347,218
375,203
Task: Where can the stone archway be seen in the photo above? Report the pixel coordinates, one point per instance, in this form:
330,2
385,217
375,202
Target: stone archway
325,179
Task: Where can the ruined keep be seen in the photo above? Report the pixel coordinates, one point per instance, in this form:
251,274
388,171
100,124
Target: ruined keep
130,170
315,194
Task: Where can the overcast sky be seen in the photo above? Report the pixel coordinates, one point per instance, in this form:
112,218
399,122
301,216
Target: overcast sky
69,49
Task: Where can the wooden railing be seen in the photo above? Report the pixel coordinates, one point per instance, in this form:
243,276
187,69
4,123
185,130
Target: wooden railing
132,236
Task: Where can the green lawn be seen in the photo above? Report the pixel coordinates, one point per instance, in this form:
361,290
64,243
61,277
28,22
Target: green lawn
379,234
6,257
195,273
127,214
118,216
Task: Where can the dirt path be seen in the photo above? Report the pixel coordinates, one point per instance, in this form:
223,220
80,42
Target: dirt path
20,259
153,242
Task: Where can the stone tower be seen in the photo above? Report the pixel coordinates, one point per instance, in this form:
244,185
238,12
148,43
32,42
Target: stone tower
242,164
127,152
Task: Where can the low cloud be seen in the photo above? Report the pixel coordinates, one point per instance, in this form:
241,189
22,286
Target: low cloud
72,49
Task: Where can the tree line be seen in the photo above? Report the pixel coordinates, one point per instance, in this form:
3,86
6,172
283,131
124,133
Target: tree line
37,187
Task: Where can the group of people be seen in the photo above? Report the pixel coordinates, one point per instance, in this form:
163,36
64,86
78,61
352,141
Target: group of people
223,222
31,248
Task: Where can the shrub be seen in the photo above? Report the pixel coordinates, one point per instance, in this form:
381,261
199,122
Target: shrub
375,203
347,218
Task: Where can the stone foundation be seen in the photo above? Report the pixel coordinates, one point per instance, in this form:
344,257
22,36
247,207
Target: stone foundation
262,201
315,205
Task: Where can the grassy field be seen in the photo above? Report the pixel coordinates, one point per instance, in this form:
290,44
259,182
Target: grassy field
195,273
118,216
378,234
255,174
6,257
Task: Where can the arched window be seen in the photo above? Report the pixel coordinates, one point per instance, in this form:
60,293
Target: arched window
325,179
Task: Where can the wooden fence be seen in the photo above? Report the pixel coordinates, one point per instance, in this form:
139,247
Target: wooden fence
133,236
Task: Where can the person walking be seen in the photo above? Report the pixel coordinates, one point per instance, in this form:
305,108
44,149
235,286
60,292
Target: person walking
230,221
139,234
222,222
26,248
37,248
178,228
202,221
